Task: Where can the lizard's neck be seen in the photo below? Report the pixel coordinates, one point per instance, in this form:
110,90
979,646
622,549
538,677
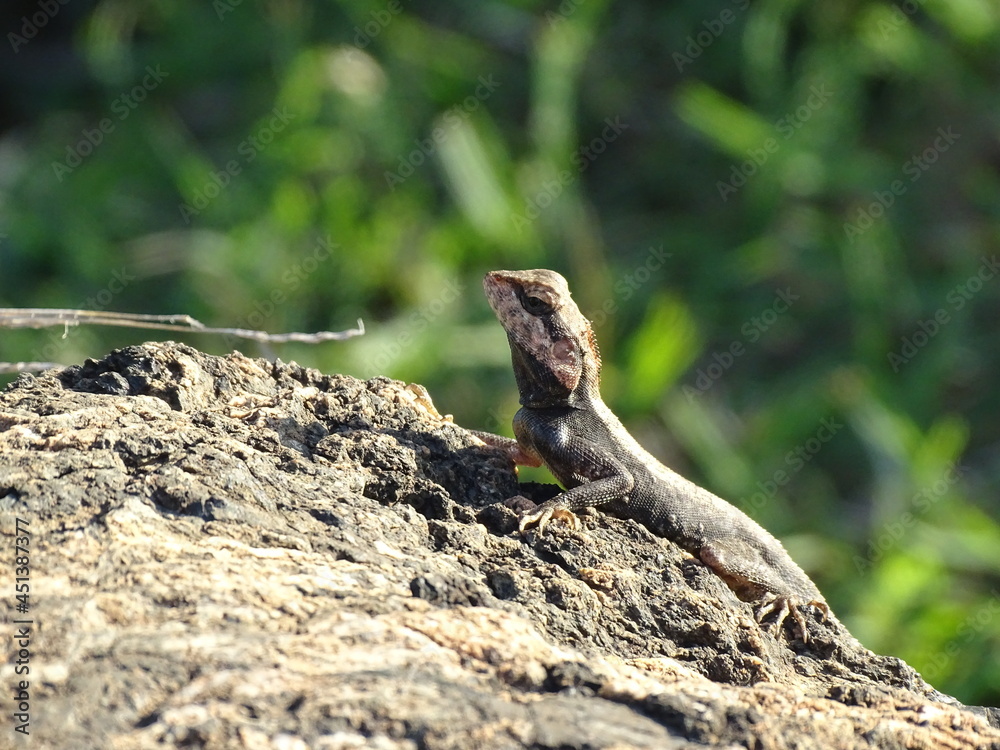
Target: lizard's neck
540,387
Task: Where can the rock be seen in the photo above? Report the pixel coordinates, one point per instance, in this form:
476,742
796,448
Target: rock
228,552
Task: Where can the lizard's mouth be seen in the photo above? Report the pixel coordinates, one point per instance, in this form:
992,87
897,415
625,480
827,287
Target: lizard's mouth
496,279
500,291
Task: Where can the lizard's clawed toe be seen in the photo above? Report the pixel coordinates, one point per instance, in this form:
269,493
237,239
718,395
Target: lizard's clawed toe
542,515
784,606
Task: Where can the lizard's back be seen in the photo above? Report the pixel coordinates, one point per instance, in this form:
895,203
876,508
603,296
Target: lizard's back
667,503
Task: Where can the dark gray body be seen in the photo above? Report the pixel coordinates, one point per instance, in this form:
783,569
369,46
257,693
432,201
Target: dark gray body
600,464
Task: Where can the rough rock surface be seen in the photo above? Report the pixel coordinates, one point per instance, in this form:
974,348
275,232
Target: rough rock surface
228,552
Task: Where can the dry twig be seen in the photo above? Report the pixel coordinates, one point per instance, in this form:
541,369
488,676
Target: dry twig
38,317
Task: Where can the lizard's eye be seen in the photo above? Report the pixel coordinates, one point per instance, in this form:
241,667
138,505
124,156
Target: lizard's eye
535,305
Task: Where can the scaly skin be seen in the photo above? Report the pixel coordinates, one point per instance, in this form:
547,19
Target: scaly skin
564,423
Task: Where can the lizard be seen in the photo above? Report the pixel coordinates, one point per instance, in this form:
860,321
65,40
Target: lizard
564,424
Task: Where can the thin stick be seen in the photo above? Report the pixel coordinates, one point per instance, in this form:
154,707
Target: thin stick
8,368
41,317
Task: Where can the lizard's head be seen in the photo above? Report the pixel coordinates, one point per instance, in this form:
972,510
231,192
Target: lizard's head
552,345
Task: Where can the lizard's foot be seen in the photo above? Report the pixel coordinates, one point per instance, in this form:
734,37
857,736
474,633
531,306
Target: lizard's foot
785,606
545,513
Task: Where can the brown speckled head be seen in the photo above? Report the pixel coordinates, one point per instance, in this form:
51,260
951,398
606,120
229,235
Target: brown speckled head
543,322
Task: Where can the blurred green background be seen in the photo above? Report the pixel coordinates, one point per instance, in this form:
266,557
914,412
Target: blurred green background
782,217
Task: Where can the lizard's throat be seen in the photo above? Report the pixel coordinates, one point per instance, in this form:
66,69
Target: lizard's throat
540,387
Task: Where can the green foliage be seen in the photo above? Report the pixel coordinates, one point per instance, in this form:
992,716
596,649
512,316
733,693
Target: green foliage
775,213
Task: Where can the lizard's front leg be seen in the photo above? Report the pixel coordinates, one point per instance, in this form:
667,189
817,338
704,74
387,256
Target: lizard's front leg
596,477
518,453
